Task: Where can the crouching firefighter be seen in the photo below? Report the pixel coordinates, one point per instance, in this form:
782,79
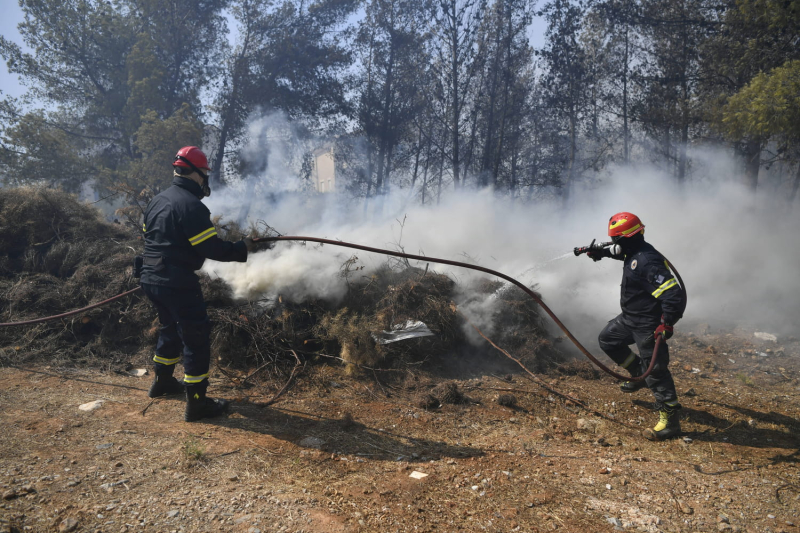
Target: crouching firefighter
179,237
652,302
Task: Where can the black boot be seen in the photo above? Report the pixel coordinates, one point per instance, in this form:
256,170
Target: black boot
669,424
164,383
633,386
198,406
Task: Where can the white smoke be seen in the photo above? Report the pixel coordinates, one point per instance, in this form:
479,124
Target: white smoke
736,252
271,151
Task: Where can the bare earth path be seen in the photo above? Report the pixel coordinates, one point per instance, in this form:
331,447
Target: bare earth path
336,454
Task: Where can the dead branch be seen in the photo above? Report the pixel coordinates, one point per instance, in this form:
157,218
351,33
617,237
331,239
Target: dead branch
523,391
533,377
146,407
263,449
358,365
280,393
254,372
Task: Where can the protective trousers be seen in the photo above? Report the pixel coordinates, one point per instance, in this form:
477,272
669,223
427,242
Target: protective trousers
185,328
615,340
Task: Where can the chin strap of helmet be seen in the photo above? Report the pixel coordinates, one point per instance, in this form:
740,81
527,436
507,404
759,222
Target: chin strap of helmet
205,186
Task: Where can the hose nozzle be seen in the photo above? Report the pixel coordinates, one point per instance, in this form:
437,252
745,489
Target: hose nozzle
593,247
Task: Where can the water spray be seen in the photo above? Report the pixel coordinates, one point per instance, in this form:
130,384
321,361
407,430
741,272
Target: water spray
534,268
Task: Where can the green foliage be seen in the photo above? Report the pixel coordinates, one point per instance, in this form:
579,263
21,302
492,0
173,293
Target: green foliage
768,107
289,57
155,144
391,40
779,15
444,92
146,75
756,37
79,49
109,73
36,150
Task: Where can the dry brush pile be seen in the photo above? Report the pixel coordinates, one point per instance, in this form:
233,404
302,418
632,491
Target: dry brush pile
58,254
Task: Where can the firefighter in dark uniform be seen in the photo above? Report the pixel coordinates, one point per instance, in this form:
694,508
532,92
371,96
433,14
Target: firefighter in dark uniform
179,237
652,302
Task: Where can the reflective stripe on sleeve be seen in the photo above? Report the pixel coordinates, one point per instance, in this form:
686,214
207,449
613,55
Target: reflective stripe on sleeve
163,361
664,286
200,237
191,380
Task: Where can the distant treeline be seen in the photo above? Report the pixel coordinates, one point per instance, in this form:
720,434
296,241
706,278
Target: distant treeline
426,95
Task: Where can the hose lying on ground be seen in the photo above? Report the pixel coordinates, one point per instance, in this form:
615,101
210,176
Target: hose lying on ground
500,275
64,315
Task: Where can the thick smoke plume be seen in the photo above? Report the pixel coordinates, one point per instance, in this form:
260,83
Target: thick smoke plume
735,251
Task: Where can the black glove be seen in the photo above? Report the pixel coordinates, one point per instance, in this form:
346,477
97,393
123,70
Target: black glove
597,255
254,246
138,262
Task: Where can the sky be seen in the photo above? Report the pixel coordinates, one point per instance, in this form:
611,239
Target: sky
12,15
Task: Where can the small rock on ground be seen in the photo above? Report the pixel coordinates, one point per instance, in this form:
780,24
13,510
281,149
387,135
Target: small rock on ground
311,442
67,525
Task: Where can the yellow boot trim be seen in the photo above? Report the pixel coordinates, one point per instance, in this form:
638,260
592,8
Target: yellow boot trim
663,419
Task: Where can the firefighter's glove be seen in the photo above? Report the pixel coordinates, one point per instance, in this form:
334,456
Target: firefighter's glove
254,246
665,330
597,255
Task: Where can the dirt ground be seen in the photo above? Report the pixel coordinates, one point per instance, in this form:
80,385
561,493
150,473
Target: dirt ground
336,453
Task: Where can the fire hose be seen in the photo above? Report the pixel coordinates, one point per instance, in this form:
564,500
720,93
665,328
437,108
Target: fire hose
75,312
489,271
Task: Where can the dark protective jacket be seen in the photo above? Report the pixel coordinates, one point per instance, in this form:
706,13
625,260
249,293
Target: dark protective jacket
179,237
649,290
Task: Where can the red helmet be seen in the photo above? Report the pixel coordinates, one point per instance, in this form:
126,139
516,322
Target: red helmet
194,155
624,225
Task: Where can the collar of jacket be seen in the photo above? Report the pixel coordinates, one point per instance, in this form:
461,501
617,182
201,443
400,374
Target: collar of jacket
189,185
630,247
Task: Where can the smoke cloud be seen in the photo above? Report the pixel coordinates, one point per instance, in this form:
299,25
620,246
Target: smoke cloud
736,251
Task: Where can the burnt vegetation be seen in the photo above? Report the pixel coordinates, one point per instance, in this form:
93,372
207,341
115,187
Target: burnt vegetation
59,255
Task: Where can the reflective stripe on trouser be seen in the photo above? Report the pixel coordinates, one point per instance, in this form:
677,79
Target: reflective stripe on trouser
628,360
166,362
185,328
615,340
